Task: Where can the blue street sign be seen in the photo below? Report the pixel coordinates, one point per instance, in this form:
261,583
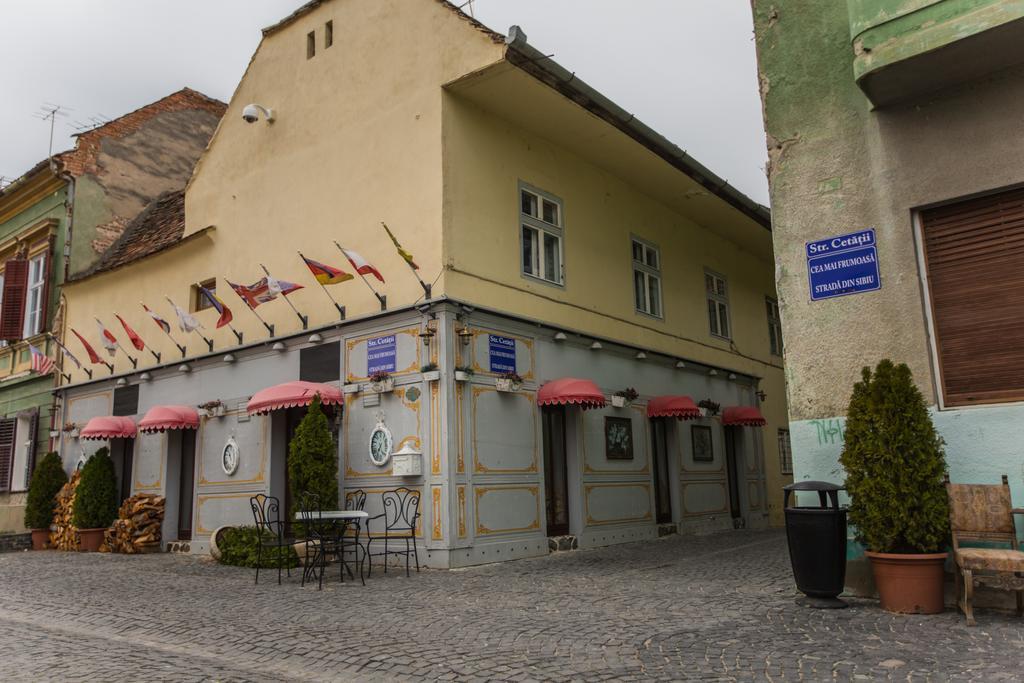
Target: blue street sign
380,354
502,353
847,264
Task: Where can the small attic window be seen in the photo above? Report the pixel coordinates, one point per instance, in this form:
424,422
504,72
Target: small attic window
311,45
328,34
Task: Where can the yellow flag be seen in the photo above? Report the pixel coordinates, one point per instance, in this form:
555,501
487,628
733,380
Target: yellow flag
401,252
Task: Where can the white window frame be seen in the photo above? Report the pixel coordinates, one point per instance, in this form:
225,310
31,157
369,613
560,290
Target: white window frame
774,323
541,229
785,451
647,274
33,323
720,300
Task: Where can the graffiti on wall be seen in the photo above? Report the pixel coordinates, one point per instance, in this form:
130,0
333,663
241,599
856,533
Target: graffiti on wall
830,431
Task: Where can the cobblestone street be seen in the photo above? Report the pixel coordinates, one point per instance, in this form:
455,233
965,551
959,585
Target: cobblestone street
713,608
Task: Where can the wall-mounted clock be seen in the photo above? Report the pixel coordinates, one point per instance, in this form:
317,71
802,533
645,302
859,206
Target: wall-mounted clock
229,457
380,444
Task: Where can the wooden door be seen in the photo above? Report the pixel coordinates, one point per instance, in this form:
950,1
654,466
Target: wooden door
662,480
733,473
186,484
556,473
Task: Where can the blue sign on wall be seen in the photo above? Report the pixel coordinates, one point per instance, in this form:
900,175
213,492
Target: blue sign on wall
847,264
502,352
380,354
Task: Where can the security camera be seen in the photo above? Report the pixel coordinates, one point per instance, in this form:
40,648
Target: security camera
251,113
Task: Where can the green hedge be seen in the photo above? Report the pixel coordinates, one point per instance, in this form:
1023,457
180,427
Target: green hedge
47,480
238,547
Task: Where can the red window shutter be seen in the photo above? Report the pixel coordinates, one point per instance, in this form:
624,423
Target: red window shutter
7,429
974,252
12,313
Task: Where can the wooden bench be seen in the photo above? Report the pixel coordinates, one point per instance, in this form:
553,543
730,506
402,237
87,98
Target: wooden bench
983,513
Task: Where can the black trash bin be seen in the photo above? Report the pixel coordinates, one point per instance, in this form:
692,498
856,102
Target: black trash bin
817,544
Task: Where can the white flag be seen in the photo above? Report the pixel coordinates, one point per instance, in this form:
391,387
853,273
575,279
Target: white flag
186,321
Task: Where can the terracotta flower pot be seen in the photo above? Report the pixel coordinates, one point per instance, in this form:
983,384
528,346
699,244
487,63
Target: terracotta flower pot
91,539
909,584
40,537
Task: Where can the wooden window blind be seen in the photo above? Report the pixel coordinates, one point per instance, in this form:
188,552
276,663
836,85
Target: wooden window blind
974,255
12,312
7,430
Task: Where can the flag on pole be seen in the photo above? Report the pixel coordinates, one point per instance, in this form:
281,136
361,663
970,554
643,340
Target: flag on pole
132,335
186,321
325,274
67,354
254,294
93,356
281,287
108,340
362,266
401,252
160,322
41,363
218,305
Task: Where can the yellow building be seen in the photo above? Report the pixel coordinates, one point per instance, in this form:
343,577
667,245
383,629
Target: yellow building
558,236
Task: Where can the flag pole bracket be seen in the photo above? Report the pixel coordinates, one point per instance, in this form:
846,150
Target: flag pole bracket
155,355
383,299
238,335
341,310
135,362
304,319
180,348
67,377
110,366
88,372
209,343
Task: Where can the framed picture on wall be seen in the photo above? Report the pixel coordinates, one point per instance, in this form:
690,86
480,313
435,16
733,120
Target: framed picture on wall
702,447
618,438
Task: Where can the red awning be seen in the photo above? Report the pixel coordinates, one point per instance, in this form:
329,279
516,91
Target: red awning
109,427
743,416
682,407
291,395
160,418
571,391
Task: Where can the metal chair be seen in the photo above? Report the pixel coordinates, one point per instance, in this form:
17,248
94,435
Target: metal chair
349,542
319,538
983,513
266,512
401,513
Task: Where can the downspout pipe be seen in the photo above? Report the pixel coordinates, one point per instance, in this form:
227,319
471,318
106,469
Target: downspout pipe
526,57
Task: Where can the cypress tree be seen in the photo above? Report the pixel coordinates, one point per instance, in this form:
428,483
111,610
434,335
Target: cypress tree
47,479
96,499
895,465
313,460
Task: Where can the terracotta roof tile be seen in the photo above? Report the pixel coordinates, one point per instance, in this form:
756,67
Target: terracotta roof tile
159,226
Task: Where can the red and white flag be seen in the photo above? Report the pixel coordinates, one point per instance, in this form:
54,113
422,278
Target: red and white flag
93,356
160,322
132,335
362,266
41,363
108,340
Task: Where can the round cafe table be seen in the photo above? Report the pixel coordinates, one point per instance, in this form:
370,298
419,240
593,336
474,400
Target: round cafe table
339,520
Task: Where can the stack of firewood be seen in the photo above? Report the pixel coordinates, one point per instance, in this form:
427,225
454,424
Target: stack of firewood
64,535
137,528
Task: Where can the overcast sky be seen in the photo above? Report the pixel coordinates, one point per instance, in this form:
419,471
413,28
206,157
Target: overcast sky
684,67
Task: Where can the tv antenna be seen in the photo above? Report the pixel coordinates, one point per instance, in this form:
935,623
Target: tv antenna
90,123
49,111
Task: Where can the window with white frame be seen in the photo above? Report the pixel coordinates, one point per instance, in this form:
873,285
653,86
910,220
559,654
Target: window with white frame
774,326
646,278
718,304
540,220
785,452
34,304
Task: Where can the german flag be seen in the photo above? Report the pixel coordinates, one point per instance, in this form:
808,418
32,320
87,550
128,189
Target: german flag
325,274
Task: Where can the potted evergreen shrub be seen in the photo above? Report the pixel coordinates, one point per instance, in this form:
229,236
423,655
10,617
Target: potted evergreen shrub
47,480
96,500
313,460
895,466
